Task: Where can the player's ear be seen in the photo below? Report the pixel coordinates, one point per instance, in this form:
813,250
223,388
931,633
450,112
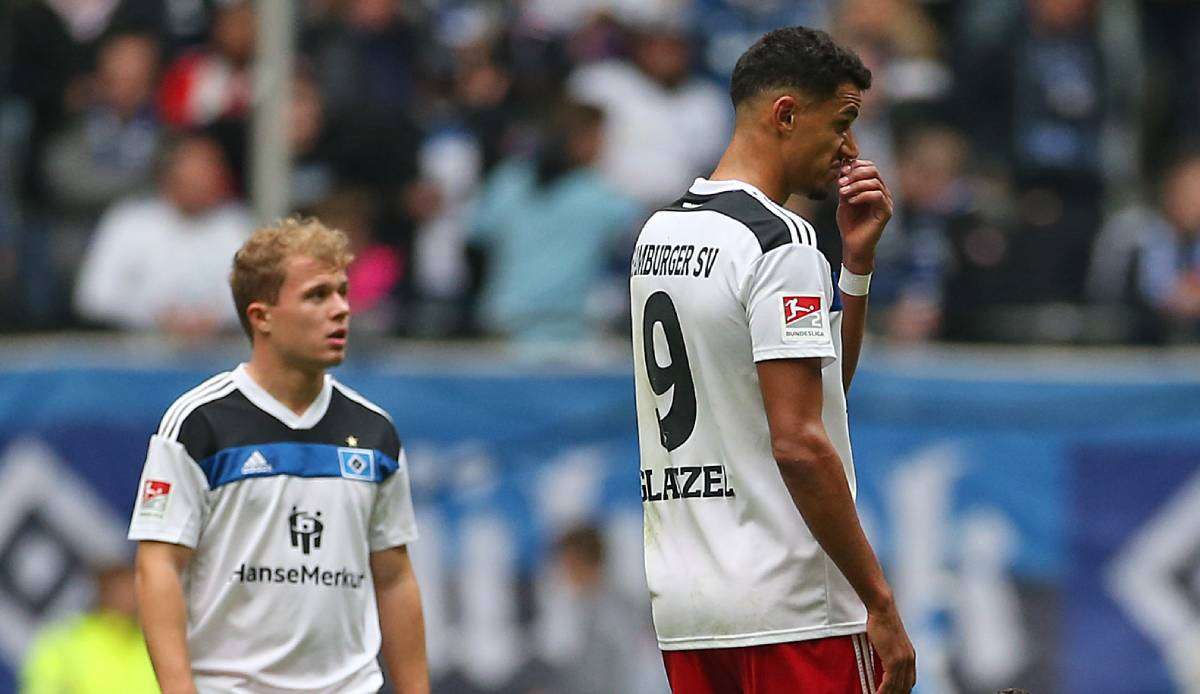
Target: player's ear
259,315
784,113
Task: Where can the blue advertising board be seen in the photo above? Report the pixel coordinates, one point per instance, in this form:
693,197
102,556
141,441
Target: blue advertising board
1028,524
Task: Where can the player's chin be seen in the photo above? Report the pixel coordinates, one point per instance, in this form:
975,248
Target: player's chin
333,356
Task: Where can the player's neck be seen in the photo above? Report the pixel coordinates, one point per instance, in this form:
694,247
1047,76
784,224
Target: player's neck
294,387
752,162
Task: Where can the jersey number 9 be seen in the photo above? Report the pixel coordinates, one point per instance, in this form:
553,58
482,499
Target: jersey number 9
676,426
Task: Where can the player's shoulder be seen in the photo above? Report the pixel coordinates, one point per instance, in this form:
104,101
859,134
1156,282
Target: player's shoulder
350,409
771,225
359,403
186,406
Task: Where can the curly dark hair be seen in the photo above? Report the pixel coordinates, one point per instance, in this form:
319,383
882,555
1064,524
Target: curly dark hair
807,59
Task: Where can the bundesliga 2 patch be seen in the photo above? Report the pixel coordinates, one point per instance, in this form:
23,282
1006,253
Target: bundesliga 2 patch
155,494
803,319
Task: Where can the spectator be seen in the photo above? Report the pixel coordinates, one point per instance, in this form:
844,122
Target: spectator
369,62
664,126
95,653
547,226
1152,257
1047,86
902,47
950,262
484,99
599,645
377,269
730,26
53,44
162,261
314,170
213,82
451,162
108,151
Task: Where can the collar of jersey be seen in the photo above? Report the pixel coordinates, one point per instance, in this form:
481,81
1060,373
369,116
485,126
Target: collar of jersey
264,401
703,186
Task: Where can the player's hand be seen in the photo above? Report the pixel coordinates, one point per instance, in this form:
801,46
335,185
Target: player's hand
886,633
864,208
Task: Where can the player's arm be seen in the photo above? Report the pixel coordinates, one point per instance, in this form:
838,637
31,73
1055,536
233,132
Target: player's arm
813,473
854,324
400,620
163,612
864,208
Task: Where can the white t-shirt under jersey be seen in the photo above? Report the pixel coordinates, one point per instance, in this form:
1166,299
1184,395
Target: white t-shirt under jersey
720,280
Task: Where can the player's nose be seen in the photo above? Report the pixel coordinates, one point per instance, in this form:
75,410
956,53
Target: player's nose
849,146
341,306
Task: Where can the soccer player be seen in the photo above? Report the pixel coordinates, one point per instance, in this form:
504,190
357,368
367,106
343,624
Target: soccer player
760,577
274,507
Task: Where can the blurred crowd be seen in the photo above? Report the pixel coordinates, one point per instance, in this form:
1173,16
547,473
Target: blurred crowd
492,161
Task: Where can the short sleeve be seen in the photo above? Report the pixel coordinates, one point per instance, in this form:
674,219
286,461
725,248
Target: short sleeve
788,297
392,520
171,497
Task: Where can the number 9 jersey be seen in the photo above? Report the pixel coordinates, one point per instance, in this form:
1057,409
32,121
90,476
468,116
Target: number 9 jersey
719,280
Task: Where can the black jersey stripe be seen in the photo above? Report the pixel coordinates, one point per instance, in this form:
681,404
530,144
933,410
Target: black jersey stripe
357,397
797,235
181,402
173,432
170,418
233,421
768,228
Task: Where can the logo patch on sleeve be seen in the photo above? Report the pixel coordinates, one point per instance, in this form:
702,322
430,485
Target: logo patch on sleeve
803,319
155,494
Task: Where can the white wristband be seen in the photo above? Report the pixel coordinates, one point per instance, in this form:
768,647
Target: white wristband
854,284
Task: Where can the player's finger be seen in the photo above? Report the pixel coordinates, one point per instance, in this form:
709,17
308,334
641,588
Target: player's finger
861,186
896,682
870,196
888,684
859,173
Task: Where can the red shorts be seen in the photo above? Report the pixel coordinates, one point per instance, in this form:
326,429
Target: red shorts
836,665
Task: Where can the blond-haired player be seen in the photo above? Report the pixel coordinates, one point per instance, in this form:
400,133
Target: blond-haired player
274,507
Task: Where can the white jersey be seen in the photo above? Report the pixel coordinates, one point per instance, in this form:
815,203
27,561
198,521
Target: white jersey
283,511
720,280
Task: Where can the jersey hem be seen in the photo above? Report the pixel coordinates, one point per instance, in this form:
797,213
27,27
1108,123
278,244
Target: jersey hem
138,535
222,682
826,357
394,541
763,638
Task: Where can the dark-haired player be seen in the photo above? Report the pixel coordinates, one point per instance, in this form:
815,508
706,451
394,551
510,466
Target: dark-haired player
760,576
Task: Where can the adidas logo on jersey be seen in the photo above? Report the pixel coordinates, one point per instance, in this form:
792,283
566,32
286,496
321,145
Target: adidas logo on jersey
256,464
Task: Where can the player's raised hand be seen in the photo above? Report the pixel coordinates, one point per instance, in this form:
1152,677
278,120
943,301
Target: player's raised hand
864,208
886,633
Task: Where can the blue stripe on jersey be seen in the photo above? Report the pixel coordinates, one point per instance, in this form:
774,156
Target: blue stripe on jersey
297,460
837,293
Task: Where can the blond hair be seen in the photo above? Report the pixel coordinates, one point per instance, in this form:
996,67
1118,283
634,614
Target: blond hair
259,265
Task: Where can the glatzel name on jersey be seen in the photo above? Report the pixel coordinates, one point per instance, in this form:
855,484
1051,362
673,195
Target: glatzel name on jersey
687,482
673,261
